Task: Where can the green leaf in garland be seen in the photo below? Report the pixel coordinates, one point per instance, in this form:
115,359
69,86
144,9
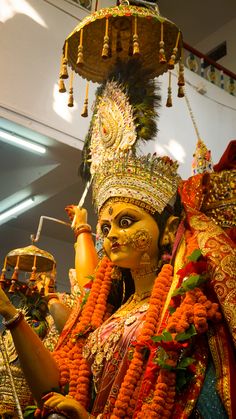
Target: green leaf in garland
29,412
165,337
185,362
161,359
171,309
178,291
195,255
190,283
191,331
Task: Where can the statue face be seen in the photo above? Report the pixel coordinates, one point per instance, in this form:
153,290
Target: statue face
129,234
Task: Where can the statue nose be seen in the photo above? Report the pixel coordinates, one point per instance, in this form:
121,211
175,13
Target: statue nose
112,235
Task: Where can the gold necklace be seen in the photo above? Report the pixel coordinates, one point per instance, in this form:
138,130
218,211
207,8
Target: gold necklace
103,351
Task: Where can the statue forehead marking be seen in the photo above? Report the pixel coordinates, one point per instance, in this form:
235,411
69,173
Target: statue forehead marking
110,210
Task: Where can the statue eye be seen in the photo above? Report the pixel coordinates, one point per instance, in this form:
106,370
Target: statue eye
105,229
126,222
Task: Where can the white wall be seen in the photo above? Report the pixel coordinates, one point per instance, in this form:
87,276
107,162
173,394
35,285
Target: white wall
30,50
32,37
214,114
224,33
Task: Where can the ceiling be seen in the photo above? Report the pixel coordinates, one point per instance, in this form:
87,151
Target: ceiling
198,19
52,179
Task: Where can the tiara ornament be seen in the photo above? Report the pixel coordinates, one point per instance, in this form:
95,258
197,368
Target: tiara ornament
148,181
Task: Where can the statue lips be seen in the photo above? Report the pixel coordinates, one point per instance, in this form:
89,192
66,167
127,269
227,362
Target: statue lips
115,247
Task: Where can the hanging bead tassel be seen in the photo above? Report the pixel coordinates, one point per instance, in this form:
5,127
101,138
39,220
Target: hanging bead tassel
105,48
171,62
162,56
3,274
71,97
80,59
33,274
14,277
169,97
181,81
85,108
136,50
61,85
64,72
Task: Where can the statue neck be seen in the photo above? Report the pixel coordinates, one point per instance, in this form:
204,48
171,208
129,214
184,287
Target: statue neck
144,278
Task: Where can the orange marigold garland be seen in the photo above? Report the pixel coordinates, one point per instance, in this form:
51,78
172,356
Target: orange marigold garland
193,310
123,407
73,368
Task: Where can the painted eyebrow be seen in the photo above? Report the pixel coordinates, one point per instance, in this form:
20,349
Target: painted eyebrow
122,213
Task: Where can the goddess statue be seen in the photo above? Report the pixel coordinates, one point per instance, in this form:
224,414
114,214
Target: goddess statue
161,296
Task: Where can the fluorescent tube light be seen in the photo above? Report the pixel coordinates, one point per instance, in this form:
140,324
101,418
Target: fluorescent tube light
16,209
21,142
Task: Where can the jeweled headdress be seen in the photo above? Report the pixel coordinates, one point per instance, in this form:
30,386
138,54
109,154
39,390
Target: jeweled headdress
118,123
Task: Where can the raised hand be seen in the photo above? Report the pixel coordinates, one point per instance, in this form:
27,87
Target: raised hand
55,402
80,215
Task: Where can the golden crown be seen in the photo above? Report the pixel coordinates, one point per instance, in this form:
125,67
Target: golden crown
219,202
148,181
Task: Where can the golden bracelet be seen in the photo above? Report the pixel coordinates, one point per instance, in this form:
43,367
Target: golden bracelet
14,321
83,228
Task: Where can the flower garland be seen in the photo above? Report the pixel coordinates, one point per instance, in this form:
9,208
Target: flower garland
73,368
124,405
192,312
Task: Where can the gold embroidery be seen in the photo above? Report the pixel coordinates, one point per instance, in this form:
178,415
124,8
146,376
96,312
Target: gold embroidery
213,243
221,360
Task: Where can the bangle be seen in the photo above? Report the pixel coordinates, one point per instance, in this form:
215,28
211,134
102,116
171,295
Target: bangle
14,321
83,228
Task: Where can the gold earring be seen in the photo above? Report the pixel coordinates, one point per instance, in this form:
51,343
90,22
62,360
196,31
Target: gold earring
145,259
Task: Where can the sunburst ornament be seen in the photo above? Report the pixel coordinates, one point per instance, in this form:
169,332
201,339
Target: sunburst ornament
113,130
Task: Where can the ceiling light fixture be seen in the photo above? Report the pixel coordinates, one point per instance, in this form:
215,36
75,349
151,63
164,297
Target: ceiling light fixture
21,142
19,208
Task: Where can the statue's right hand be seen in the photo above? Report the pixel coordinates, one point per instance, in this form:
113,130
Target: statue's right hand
7,310
80,215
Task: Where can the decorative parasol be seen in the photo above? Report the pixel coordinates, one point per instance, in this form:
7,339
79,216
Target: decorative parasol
27,259
115,34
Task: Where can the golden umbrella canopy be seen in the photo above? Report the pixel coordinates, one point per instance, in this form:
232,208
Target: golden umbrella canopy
109,34
31,256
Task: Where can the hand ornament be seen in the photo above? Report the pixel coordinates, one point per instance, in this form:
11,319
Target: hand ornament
63,405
